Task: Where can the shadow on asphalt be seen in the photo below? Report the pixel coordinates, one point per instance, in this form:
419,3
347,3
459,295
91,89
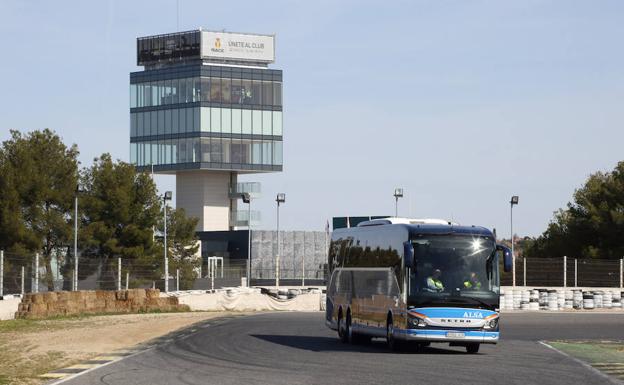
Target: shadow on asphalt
332,344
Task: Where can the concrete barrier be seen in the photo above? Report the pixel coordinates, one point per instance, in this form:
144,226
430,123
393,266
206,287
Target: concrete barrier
8,307
242,299
64,303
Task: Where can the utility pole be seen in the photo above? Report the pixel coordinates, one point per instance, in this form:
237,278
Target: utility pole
167,197
512,202
76,241
398,193
1,273
281,198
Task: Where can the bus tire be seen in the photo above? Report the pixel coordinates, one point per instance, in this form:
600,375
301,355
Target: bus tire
348,329
472,348
393,343
342,331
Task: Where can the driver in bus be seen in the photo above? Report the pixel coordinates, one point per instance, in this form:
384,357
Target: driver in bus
472,282
433,282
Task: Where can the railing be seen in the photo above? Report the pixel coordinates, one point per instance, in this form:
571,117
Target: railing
32,273
567,272
240,218
252,188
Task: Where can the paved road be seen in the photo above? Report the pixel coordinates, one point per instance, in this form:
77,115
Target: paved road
296,348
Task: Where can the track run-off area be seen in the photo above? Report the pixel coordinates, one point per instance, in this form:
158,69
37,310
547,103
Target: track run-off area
297,348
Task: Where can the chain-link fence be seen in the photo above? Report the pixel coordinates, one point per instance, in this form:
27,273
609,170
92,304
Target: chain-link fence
566,272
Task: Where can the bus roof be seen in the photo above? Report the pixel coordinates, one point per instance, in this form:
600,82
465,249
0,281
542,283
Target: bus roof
424,226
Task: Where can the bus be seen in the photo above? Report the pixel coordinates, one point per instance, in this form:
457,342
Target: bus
415,281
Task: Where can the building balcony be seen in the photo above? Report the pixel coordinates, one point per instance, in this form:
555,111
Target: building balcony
251,188
240,218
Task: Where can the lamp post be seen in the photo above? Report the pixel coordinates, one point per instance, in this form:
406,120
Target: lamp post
167,197
512,202
246,197
75,284
398,193
281,198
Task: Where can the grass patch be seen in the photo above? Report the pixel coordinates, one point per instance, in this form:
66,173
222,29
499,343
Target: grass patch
592,351
18,366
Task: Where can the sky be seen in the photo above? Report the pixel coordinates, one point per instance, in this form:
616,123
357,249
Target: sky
461,103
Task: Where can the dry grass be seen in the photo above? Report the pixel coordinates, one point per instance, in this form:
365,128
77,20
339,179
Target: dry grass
34,347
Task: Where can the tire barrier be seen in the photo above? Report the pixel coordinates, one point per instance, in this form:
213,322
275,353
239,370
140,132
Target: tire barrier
560,299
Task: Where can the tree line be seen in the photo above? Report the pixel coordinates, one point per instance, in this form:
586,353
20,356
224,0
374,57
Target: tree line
592,225
119,213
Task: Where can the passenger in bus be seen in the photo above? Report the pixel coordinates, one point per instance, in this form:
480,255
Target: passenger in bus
433,282
472,282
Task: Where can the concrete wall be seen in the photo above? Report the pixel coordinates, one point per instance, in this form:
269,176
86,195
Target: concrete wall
205,195
300,250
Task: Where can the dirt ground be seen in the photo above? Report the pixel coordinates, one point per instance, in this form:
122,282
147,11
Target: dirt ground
31,348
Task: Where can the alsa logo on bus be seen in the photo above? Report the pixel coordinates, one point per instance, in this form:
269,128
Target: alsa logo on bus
473,314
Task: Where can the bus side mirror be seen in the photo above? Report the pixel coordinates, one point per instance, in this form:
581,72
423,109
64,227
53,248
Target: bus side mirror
507,257
408,254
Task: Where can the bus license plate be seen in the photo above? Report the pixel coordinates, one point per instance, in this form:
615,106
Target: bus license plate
455,335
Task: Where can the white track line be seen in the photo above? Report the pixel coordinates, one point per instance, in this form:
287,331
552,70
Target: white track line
71,377
586,365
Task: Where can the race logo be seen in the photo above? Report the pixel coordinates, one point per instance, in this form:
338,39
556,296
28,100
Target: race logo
217,46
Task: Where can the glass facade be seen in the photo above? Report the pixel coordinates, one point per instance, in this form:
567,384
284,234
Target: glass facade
206,117
258,93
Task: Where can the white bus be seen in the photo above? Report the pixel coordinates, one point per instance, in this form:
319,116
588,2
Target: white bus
417,281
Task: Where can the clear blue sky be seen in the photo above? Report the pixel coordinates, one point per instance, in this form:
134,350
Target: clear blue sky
461,103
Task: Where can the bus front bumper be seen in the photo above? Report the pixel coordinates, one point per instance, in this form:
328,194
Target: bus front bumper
448,336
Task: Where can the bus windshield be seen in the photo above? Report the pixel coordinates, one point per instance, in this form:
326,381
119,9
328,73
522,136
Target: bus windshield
453,270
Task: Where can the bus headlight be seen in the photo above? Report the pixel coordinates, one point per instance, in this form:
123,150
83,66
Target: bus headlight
416,320
491,323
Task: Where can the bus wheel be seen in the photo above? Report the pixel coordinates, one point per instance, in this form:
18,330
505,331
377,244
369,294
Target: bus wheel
472,348
393,344
349,330
342,330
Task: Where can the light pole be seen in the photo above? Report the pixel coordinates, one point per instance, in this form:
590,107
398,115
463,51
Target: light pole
246,197
512,202
75,285
167,197
281,198
398,193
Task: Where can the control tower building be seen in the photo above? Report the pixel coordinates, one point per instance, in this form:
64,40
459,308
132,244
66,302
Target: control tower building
207,108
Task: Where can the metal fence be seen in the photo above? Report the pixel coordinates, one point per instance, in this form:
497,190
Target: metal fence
566,272
33,273
21,274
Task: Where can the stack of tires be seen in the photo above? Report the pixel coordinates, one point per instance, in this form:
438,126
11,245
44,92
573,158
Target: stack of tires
543,299
607,300
553,304
534,300
509,300
524,299
598,299
588,300
568,299
577,299
517,298
617,300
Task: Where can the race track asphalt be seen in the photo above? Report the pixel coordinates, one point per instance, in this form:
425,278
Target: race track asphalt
296,348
